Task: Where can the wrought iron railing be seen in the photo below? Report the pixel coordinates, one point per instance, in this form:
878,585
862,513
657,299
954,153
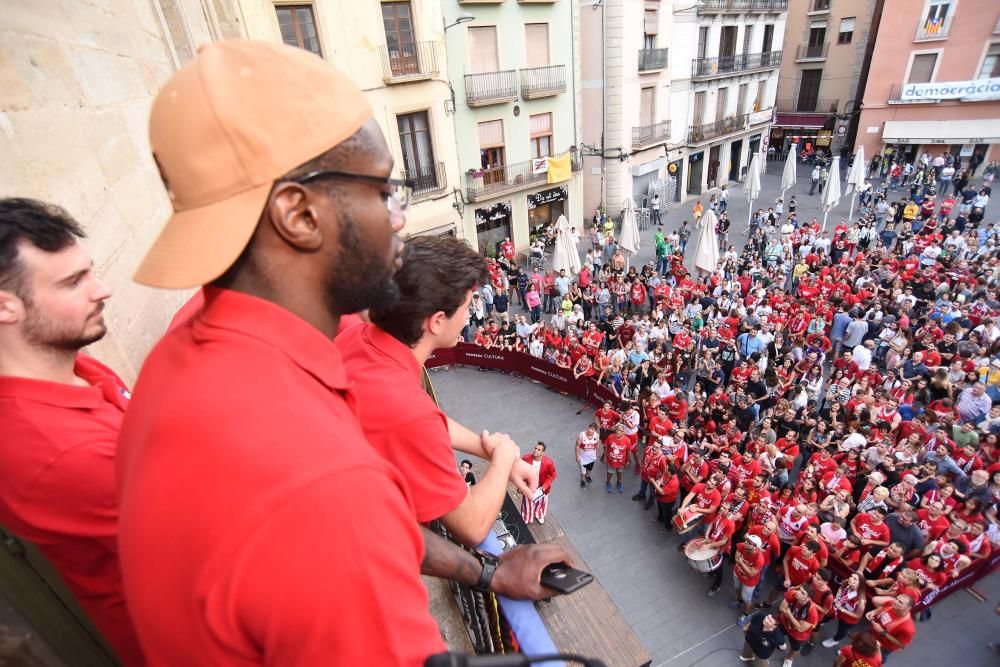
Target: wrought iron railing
651,59
648,135
803,105
709,6
491,87
707,131
543,81
427,179
484,183
741,62
409,61
812,51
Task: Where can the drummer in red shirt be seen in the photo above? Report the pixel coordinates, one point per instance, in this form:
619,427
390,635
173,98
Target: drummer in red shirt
617,454
892,624
703,500
719,535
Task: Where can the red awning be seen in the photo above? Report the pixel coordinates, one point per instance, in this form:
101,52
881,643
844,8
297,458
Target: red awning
800,120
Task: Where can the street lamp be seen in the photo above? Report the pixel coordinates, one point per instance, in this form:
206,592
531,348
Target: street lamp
464,17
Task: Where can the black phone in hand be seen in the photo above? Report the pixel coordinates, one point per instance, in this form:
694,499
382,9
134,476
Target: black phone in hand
565,579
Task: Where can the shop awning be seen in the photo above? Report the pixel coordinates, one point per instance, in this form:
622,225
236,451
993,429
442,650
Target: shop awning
800,120
976,131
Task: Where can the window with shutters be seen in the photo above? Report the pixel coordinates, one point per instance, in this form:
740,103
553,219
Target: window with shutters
483,54
699,108
991,63
747,38
397,20
647,106
651,22
536,42
541,134
922,68
721,99
768,43
702,41
741,100
809,89
846,34
417,149
491,151
297,24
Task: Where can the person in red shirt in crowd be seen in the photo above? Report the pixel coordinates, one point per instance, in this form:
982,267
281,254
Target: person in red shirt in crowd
864,651
654,465
879,565
703,500
616,454
799,617
637,296
242,468
507,249
848,607
401,421
61,412
798,565
667,489
606,419
871,528
749,559
677,407
718,535
659,426
534,507
932,521
892,625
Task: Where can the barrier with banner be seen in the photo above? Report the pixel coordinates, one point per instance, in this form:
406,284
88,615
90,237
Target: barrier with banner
562,380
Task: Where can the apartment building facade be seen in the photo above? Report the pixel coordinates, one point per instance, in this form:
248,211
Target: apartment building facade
514,83
825,45
934,80
680,97
395,52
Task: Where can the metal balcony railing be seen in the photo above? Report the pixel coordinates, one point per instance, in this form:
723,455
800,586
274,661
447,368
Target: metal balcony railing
812,51
427,179
652,59
712,6
801,105
412,61
708,131
649,135
741,62
493,181
543,81
490,88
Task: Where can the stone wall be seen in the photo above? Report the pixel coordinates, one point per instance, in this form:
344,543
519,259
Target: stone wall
76,82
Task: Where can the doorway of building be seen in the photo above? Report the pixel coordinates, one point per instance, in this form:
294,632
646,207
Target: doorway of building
713,166
696,164
735,159
674,174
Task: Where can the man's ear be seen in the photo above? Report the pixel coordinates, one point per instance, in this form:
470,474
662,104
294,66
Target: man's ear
293,216
435,323
11,308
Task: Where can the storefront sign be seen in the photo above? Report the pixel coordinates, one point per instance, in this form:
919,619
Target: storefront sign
643,169
823,137
546,197
498,211
980,90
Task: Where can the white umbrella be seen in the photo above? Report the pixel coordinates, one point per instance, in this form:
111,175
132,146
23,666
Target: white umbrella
752,187
629,241
565,256
789,175
831,191
856,177
706,257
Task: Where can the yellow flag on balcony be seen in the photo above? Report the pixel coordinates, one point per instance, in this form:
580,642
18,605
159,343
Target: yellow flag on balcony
560,168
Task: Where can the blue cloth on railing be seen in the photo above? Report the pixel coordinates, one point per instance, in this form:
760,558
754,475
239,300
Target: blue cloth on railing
532,636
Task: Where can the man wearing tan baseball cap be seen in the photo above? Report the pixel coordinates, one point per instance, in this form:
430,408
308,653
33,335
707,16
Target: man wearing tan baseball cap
257,525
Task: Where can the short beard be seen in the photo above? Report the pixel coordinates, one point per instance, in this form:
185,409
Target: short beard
42,333
358,278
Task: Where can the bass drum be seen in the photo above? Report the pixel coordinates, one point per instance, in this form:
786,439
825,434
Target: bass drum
702,558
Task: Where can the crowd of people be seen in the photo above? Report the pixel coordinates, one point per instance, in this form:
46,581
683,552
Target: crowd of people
823,406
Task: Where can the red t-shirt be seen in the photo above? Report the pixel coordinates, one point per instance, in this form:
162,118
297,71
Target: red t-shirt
900,627
867,530
606,419
799,569
242,473
854,659
616,450
931,528
811,615
671,489
400,420
57,486
754,561
660,427
705,499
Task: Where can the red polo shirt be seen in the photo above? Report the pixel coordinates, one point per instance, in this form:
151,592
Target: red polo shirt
57,486
257,525
401,420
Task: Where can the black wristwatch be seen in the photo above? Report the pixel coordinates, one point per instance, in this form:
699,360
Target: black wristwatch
490,565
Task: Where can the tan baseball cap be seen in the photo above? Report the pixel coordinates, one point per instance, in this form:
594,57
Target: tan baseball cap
223,129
